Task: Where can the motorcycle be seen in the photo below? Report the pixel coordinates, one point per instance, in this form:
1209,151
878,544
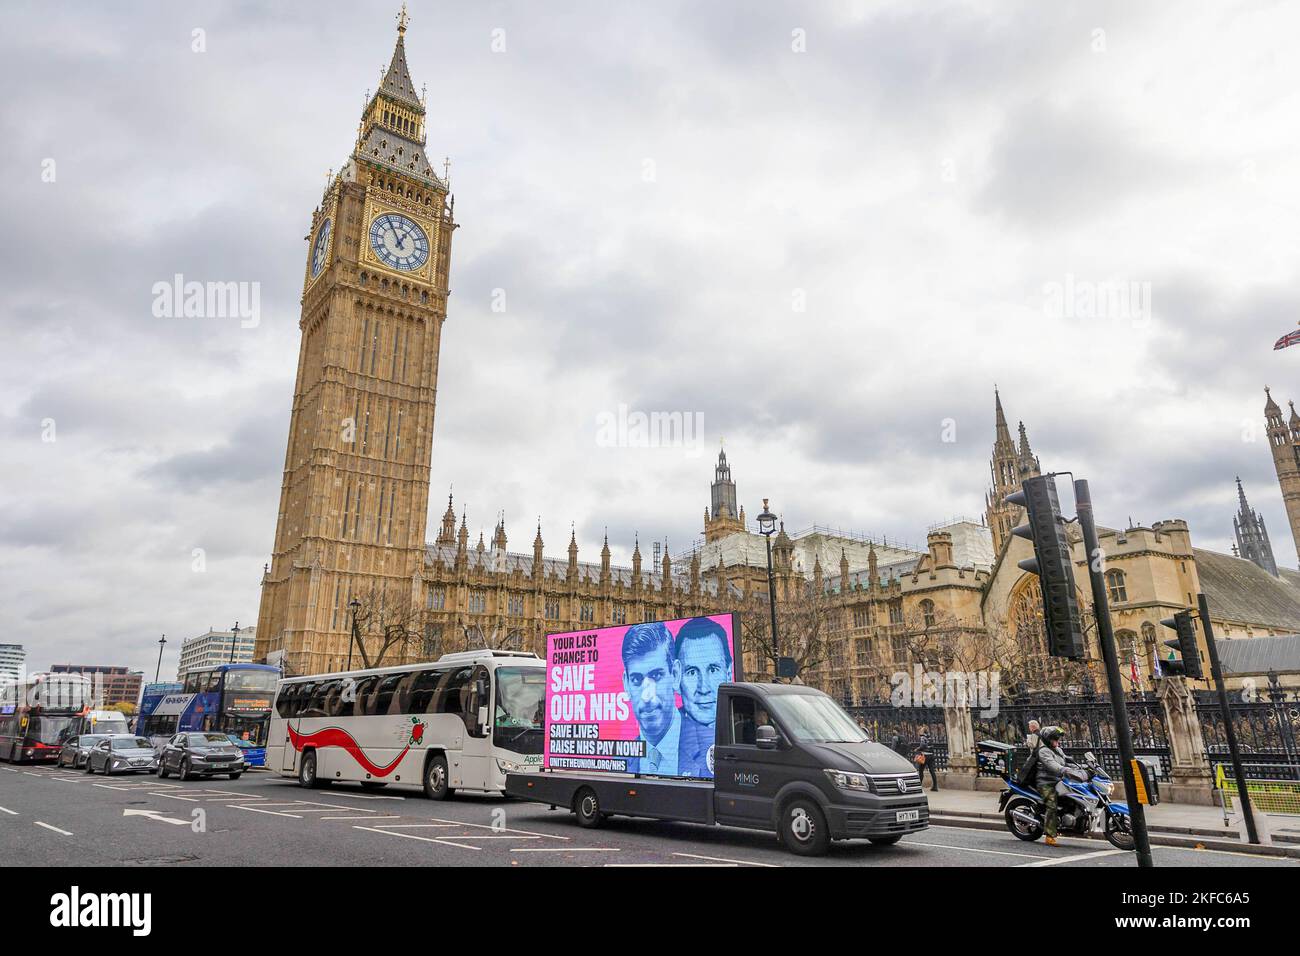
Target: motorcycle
1083,806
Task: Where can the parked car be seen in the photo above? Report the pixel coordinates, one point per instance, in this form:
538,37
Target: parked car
121,753
75,750
193,754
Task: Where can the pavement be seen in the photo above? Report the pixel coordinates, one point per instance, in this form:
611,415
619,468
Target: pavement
61,817
1173,824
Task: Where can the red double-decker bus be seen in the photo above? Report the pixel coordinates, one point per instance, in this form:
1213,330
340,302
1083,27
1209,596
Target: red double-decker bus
36,714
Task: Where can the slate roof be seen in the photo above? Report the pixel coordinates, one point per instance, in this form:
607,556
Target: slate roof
1259,655
1239,590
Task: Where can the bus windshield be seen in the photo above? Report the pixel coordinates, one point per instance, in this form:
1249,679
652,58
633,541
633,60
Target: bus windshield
520,708
49,730
258,680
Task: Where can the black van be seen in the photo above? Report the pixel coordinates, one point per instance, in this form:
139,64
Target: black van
785,758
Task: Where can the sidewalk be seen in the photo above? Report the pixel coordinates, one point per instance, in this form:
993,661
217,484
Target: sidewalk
1176,824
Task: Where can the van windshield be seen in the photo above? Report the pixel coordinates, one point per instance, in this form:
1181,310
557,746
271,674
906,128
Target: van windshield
815,718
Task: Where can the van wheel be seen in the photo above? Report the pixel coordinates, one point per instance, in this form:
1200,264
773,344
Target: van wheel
886,840
803,828
437,781
586,807
307,771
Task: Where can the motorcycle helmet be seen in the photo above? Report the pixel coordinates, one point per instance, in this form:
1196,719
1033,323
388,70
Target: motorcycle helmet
1050,735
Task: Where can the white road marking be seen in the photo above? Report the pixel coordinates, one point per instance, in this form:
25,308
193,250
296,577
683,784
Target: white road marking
565,849
274,813
488,826
723,859
10,769
173,796
407,826
382,817
106,786
55,829
1057,861
154,815
12,813
412,836
32,774
971,849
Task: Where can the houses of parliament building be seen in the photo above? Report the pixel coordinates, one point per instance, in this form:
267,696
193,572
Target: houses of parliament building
354,499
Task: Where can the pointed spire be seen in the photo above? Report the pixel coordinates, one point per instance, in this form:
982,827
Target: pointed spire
1294,421
397,81
1003,433
1270,406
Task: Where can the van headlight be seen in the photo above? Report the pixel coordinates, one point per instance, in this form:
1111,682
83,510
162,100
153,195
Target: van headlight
849,781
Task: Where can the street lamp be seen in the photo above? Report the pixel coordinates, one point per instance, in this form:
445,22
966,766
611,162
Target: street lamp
766,526
233,641
158,671
354,605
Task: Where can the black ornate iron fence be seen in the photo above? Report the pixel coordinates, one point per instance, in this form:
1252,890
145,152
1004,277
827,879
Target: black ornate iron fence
1268,729
1268,735
901,728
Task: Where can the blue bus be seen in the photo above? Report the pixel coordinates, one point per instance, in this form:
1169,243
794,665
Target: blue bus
233,699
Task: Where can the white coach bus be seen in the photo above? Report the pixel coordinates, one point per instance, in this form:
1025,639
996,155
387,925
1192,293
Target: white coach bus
459,723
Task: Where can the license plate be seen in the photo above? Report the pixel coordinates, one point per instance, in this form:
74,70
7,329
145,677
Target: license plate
907,816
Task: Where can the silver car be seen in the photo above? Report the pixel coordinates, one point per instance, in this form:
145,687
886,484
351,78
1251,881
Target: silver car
122,753
201,754
76,750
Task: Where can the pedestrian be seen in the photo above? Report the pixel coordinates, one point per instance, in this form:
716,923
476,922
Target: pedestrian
1031,739
896,743
1050,770
923,758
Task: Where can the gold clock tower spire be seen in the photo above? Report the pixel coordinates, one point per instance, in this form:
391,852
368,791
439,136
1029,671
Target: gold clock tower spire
354,500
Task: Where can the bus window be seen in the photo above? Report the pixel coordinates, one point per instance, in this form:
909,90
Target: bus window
336,704
363,691
453,695
386,699
191,683
424,691
313,700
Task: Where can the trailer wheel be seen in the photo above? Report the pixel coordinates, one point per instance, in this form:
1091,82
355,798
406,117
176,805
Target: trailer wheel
586,807
802,827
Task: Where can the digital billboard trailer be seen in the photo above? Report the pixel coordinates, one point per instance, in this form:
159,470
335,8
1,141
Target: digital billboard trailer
640,698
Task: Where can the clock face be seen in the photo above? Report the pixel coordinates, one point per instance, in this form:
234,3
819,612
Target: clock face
399,242
318,250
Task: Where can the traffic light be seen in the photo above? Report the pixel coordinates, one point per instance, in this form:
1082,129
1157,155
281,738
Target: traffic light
1185,644
1052,564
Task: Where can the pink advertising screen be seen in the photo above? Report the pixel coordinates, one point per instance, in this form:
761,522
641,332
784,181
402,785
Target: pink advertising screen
640,698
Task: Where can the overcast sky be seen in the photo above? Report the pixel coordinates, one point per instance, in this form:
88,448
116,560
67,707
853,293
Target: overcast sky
828,228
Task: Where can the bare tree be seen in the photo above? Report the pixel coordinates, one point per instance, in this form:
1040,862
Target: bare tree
388,624
804,625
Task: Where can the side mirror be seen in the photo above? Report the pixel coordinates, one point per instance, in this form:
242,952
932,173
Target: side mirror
1090,757
483,716
766,737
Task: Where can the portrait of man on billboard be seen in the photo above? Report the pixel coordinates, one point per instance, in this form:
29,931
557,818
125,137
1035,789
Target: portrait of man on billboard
703,653
652,678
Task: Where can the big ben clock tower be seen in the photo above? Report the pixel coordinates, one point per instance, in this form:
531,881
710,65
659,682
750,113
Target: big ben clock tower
355,494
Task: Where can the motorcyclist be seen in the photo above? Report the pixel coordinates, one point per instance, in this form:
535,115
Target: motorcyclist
1051,768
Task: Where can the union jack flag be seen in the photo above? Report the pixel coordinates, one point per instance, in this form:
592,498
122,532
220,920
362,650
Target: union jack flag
1291,338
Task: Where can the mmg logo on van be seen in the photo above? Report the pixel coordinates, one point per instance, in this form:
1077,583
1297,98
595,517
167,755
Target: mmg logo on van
76,909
